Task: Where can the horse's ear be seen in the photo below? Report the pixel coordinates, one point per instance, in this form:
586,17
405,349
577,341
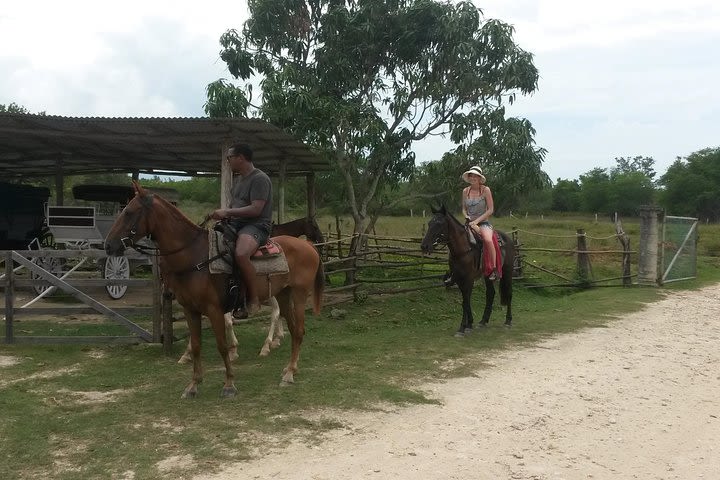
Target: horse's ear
139,190
434,209
442,210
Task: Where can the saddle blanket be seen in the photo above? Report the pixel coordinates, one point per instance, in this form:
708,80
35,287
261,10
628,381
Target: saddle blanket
498,242
268,260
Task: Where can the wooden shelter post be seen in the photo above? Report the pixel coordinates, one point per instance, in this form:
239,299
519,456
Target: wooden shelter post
59,183
311,206
226,177
282,179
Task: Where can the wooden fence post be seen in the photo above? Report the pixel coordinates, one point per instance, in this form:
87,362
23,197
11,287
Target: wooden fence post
167,321
624,240
157,302
339,236
9,298
583,259
517,265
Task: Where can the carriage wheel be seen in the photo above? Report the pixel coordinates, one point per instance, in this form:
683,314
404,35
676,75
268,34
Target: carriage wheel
52,265
116,268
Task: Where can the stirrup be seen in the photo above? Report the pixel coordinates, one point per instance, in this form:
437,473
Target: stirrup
493,276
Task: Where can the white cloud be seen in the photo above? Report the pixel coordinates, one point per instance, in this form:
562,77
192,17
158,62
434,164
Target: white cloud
151,58
618,78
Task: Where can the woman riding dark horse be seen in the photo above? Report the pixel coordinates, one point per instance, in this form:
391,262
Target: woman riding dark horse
466,264
184,250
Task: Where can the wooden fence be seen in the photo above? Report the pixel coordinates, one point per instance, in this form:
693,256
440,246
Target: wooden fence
383,255
385,266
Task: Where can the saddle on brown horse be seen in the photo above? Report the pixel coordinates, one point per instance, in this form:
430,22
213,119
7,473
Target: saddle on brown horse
268,260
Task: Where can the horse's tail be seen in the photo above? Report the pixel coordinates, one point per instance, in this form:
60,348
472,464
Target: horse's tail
319,287
507,270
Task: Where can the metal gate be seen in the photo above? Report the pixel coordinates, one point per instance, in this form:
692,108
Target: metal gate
678,255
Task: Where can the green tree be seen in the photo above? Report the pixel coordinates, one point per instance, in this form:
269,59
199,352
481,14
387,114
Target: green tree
566,196
362,81
628,191
692,185
643,165
631,184
594,191
13,107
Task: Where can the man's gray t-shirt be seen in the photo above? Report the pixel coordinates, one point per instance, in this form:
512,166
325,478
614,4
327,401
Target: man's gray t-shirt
255,186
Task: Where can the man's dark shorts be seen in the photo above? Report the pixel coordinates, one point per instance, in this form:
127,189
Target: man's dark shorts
258,233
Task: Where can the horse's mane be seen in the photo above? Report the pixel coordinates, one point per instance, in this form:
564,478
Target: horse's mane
447,214
176,213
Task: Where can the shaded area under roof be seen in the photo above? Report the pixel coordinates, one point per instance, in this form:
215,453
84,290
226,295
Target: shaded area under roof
40,145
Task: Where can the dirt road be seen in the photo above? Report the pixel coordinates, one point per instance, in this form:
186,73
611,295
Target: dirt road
640,399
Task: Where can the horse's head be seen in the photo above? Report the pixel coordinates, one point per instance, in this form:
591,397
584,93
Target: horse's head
132,224
314,234
437,231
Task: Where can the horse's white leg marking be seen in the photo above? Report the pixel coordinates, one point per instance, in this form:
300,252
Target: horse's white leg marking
187,355
279,329
275,332
231,340
230,336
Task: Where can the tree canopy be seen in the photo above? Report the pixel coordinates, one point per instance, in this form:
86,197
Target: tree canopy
362,81
692,185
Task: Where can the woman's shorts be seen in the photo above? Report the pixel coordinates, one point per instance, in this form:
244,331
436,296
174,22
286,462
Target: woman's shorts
485,224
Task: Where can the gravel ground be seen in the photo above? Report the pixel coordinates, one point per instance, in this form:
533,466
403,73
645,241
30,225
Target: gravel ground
639,399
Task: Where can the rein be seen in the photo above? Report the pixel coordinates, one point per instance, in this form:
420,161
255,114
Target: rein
128,242
447,242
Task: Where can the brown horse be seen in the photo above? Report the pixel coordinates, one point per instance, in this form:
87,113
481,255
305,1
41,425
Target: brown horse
183,249
306,226
466,265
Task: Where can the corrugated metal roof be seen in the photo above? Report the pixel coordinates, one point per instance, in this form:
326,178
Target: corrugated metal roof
37,145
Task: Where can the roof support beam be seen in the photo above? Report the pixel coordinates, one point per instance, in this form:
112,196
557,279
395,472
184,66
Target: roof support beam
311,207
59,182
282,179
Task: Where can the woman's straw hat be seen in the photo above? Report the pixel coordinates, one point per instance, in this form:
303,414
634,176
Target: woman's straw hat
475,171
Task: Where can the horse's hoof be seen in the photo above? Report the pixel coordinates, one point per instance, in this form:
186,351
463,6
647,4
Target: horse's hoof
264,352
508,325
228,392
468,330
288,378
189,394
184,359
459,334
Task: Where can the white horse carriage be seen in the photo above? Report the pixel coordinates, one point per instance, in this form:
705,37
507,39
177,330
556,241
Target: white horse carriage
84,227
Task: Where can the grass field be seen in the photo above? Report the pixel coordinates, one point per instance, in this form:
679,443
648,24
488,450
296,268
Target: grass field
86,412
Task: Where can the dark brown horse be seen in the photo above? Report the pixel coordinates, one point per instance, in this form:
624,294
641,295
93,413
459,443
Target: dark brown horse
183,249
306,226
466,265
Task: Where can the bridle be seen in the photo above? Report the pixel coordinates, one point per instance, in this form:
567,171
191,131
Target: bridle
443,238
146,202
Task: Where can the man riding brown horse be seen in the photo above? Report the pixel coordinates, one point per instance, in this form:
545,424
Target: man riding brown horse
250,214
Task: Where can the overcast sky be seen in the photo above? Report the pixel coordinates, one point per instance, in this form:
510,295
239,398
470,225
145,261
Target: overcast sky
617,78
